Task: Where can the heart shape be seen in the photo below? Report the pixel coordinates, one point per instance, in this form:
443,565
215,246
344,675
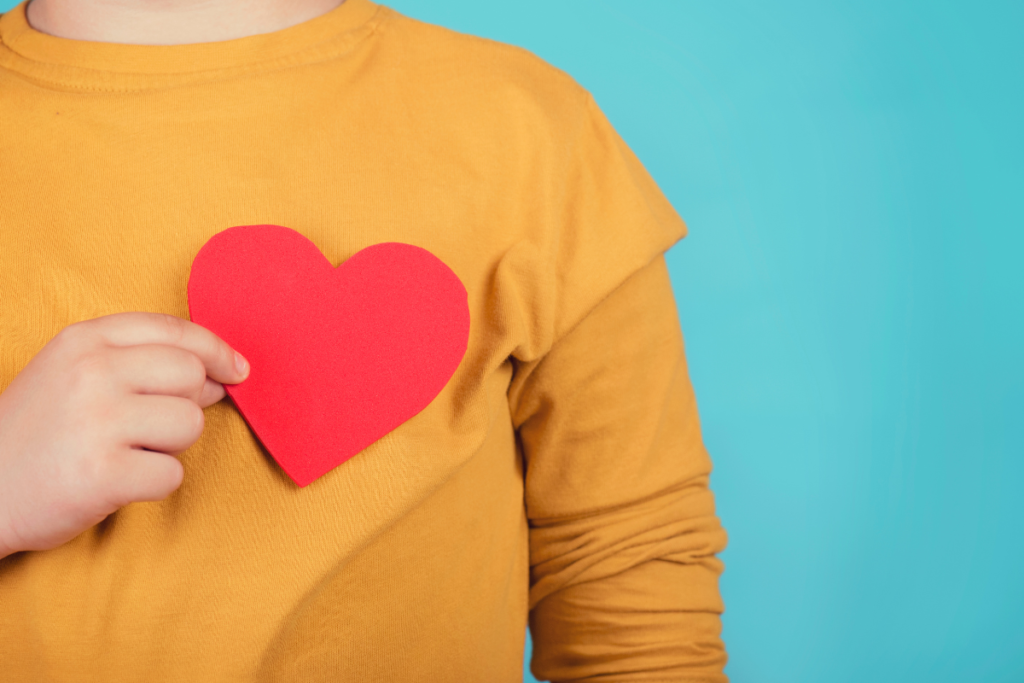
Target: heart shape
338,357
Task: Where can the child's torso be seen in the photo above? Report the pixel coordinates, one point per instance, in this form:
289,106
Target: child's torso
408,562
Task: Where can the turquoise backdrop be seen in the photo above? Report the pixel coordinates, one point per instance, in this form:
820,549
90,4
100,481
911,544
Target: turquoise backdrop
852,291
853,299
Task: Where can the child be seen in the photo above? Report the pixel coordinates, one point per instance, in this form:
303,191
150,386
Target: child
559,475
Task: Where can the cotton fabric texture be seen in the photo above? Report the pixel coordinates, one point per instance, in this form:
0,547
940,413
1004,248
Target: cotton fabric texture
559,476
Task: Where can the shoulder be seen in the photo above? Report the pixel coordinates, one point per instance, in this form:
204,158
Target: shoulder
470,76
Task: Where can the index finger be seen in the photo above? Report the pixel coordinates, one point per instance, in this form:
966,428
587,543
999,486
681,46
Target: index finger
222,363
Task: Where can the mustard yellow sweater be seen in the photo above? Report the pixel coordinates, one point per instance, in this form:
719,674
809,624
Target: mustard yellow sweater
559,477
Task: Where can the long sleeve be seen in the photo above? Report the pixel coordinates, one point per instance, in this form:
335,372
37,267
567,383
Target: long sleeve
623,532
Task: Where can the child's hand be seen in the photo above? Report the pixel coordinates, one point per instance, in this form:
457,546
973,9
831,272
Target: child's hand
92,422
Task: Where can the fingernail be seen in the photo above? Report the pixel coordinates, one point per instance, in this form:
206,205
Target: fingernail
242,365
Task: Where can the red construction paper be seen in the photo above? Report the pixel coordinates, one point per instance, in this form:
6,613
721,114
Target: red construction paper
340,356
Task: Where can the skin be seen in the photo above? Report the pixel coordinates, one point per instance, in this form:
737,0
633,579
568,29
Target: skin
169,22
96,418
94,421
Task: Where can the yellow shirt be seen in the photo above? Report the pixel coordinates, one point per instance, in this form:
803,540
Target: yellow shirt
560,475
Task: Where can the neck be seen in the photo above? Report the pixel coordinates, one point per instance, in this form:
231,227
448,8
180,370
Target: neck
169,22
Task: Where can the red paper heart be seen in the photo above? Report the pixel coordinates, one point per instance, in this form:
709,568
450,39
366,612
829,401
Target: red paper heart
340,356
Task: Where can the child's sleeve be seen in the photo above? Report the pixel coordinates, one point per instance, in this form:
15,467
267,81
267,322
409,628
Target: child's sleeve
623,532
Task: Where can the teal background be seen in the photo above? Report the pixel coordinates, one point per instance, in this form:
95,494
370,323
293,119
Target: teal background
852,295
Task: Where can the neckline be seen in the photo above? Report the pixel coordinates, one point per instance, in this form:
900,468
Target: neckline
87,65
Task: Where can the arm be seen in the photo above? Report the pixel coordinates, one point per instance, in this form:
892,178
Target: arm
623,532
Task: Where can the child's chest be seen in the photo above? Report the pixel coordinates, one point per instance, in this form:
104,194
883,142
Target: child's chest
124,238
